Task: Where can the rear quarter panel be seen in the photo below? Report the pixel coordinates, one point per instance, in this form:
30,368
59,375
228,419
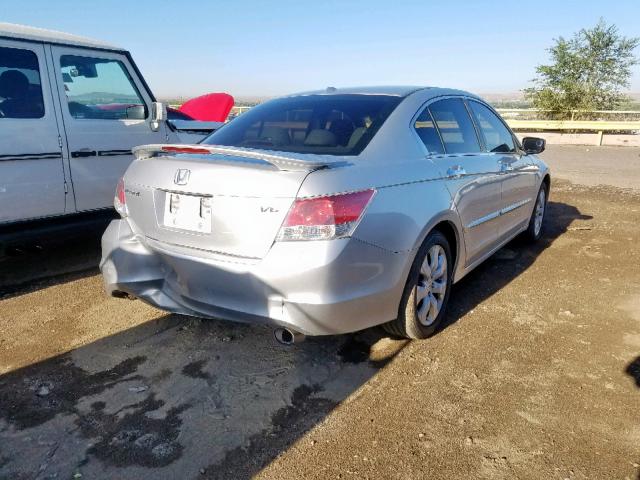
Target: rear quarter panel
410,200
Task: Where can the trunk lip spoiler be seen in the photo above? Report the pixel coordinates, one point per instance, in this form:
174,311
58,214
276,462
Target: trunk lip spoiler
289,161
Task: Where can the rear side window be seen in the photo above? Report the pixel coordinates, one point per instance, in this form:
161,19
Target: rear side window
20,87
426,130
318,124
455,126
100,88
497,137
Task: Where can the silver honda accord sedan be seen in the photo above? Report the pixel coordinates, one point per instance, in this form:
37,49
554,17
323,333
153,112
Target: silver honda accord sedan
326,212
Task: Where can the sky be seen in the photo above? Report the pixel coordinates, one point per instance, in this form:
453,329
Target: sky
264,48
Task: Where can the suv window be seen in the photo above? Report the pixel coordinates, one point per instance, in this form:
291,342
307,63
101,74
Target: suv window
20,88
100,88
456,128
497,137
319,124
426,130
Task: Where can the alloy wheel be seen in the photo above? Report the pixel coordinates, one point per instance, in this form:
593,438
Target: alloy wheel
432,285
539,213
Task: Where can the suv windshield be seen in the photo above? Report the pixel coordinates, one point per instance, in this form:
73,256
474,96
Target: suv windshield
319,124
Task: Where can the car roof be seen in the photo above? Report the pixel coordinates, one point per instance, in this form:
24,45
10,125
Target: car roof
24,32
392,90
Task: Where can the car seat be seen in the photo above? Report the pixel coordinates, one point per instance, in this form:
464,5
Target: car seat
18,103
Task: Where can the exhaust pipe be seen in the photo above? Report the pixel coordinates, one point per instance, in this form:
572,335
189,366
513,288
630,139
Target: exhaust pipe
288,337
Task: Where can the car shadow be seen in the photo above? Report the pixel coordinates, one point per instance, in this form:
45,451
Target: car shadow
633,370
49,254
508,263
205,398
183,396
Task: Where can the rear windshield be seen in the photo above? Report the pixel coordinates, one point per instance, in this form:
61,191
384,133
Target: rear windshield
319,124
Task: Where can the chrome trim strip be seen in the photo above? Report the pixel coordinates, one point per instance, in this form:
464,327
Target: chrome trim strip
484,219
513,206
498,213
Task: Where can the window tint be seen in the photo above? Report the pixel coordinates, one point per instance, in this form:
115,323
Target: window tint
427,132
455,126
99,88
320,124
497,137
20,89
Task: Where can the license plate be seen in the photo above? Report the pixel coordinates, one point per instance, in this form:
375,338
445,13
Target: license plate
187,212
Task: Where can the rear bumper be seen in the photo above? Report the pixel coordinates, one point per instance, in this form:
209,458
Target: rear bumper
317,287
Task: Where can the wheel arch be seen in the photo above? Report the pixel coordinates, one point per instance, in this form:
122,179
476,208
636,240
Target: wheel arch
450,232
546,181
446,223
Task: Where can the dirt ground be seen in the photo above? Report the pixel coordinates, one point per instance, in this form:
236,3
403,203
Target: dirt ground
536,374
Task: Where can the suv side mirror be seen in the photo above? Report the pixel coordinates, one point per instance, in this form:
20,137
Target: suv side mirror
533,144
158,114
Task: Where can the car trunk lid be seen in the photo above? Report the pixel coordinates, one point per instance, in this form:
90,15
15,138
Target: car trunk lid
216,199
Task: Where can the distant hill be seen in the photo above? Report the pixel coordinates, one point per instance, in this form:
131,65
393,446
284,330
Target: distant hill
98,98
498,100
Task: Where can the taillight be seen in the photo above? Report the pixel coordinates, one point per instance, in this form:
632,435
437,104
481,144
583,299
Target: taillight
185,150
120,199
324,218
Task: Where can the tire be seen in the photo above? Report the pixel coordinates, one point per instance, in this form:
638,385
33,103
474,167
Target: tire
536,223
417,320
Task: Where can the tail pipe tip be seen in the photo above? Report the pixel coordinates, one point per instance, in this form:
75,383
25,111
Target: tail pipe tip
286,336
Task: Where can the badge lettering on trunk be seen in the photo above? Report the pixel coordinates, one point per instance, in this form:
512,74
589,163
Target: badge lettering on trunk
182,176
268,210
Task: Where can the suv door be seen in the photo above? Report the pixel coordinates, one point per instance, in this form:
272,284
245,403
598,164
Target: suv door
105,109
31,170
472,176
518,176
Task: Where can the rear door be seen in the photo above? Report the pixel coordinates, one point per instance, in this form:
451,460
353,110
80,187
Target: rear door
518,177
31,171
106,111
472,176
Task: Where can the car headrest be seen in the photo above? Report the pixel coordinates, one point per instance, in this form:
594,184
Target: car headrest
13,84
343,129
356,136
321,138
276,135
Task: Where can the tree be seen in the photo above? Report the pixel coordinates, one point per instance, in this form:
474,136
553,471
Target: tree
587,72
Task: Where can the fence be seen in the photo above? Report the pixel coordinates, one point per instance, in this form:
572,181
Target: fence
600,121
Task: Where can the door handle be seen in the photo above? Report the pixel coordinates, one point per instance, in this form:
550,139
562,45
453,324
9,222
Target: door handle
83,152
456,171
505,166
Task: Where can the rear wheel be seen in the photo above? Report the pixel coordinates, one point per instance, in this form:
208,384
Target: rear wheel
426,294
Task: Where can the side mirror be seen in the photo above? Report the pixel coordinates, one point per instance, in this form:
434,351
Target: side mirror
158,115
136,112
533,144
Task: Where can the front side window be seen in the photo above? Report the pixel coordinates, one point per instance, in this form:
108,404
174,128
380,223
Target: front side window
426,130
456,128
99,88
318,124
20,87
497,137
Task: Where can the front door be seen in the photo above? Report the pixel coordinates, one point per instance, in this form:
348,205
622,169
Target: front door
31,170
518,175
472,177
106,112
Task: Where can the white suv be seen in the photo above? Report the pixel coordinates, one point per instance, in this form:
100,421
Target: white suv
71,110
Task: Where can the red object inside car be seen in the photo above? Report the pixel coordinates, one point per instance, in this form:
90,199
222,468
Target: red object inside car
212,107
